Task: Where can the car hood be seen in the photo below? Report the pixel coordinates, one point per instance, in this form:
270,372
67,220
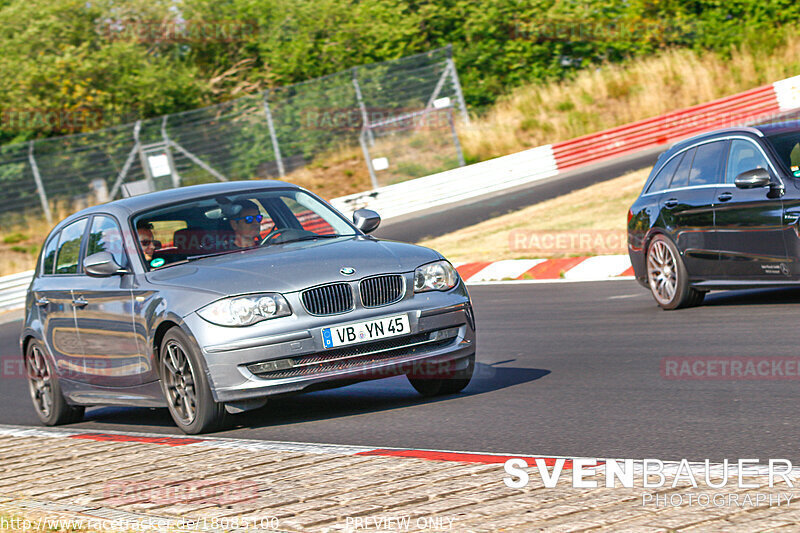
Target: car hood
294,266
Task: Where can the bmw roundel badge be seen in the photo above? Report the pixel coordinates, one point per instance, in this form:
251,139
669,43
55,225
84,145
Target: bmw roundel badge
347,271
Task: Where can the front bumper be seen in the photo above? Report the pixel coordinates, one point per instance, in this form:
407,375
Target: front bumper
293,361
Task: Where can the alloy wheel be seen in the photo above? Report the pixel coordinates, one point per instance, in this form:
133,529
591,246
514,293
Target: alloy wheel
40,381
180,382
662,272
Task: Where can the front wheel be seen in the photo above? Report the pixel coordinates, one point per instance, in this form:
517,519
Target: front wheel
48,401
438,380
186,387
667,276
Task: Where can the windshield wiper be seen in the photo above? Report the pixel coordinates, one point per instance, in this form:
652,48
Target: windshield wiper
313,238
213,254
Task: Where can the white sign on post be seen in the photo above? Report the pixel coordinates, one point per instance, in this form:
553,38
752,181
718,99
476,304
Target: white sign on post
380,163
159,165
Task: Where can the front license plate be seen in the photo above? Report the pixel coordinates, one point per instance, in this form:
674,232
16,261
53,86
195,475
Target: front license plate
366,331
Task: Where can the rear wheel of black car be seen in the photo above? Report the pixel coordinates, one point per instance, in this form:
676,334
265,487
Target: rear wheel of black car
186,387
440,379
48,401
667,276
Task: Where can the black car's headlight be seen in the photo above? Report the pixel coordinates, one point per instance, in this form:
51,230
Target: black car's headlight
246,310
438,276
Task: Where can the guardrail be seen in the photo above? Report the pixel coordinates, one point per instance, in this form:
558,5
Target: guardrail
547,161
13,289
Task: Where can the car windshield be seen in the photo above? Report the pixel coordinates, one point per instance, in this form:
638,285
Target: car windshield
228,223
787,145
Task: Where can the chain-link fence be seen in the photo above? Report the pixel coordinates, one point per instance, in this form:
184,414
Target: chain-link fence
402,113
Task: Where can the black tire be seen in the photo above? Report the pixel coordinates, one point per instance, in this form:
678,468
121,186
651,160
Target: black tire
49,403
185,385
437,381
667,276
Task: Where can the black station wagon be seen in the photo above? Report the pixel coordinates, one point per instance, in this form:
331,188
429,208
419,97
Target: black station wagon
719,211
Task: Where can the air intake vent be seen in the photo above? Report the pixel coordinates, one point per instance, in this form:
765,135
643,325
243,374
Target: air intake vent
329,299
381,290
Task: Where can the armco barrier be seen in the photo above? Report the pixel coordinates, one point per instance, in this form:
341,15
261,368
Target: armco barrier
454,185
13,289
472,181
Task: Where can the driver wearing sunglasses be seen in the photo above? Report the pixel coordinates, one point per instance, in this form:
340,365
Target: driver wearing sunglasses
246,225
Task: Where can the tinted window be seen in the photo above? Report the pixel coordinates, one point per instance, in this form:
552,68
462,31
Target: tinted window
105,236
69,248
664,176
788,147
681,178
707,164
744,156
49,255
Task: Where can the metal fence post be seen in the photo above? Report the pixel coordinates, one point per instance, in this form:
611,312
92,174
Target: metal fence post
39,187
368,159
176,178
128,162
275,147
457,142
364,115
457,85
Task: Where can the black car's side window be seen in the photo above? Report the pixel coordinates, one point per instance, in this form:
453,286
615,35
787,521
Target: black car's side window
49,255
681,177
707,164
69,248
744,156
105,236
662,180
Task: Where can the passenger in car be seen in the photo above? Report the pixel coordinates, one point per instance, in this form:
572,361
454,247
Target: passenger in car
148,244
246,225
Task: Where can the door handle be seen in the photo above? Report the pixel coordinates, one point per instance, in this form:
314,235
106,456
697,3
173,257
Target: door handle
672,202
79,302
724,197
42,302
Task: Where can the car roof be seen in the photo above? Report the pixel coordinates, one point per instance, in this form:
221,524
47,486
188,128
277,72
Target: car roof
125,206
777,127
747,130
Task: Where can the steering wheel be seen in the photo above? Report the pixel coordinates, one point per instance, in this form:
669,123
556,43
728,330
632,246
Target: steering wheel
274,236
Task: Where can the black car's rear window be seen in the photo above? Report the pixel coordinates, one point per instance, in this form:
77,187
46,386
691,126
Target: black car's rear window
787,145
664,177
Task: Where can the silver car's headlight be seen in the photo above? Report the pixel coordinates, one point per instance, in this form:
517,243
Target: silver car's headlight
246,310
438,276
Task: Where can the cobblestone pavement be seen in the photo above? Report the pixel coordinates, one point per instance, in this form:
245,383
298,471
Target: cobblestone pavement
195,484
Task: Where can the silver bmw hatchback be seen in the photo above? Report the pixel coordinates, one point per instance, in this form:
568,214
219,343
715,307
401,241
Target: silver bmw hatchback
209,299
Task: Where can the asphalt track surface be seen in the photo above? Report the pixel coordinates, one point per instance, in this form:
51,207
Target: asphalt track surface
445,219
570,369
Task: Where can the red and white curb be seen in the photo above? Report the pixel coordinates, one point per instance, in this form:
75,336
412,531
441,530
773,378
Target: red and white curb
597,268
669,468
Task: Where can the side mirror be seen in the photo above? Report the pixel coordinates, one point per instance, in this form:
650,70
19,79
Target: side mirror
101,265
366,220
753,179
